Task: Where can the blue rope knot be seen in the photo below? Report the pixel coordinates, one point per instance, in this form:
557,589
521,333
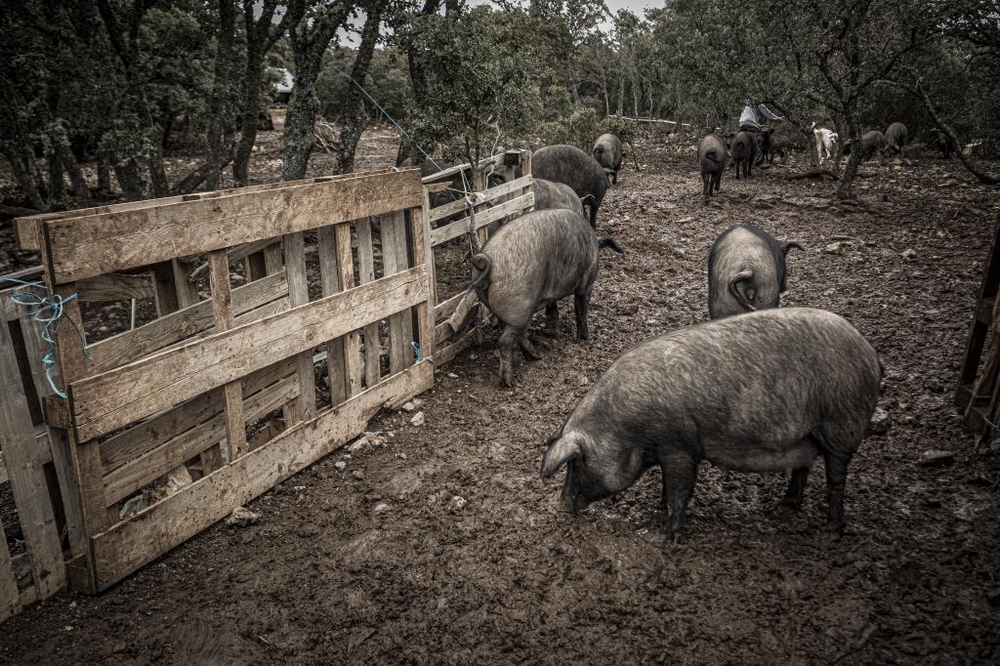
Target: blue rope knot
47,310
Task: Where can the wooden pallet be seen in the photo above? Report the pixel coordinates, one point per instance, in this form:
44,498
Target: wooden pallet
977,395
187,390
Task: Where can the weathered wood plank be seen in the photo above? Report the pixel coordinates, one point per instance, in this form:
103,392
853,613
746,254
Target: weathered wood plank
24,459
86,246
326,243
366,274
515,206
132,543
222,316
353,367
180,325
492,195
121,396
10,600
140,439
116,287
425,310
141,471
298,294
394,258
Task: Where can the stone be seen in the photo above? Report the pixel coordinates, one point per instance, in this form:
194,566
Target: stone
360,444
584,381
456,503
242,516
409,406
417,420
909,254
936,458
833,248
358,474
340,464
381,507
880,422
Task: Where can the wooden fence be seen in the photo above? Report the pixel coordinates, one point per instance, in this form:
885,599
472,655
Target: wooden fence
218,393
456,316
212,399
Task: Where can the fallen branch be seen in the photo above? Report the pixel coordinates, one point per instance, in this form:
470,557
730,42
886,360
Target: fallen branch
812,173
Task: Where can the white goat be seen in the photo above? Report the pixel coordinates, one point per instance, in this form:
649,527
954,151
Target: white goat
826,142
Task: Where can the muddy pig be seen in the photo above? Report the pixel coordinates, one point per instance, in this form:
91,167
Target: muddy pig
570,165
608,152
746,271
743,151
712,158
556,195
765,391
532,261
942,142
872,144
896,136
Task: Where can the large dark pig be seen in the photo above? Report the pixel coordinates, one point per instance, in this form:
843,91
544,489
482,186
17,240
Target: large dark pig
712,159
896,137
531,262
872,144
568,164
942,142
550,195
746,271
608,152
765,391
743,150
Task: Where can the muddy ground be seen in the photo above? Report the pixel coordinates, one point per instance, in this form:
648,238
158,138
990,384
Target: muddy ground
443,546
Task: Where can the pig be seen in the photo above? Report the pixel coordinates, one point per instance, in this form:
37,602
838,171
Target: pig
533,261
746,271
556,195
765,391
942,142
712,159
872,144
896,137
767,143
743,151
608,152
562,163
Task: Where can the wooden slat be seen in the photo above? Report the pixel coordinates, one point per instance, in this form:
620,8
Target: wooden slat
116,287
28,229
298,294
426,220
222,316
330,283
24,459
515,206
182,324
86,246
366,274
132,543
492,195
394,258
10,601
171,424
424,310
121,396
128,478
353,367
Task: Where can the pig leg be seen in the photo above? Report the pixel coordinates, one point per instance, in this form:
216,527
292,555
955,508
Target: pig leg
836,479
508,341
552,319
679,472
580,305
526,347
718,179
796,489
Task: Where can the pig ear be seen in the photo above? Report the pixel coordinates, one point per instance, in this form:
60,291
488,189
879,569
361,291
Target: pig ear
560,452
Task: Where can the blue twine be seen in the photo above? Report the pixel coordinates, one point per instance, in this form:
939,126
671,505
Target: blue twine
48,310
465,181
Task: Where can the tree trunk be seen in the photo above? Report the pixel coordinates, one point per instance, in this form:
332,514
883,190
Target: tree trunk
220,120
845,186
103,176
301,117
25,168
355,117
132,179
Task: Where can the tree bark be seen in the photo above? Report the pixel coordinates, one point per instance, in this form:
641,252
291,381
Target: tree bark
355,116
25,168
261,36
309,39
220,120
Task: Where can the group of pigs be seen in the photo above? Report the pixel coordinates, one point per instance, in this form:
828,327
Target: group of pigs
756,388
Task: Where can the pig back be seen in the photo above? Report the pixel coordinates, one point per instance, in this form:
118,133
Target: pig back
562,163
538,258
764,380
608,151
738,249
556,195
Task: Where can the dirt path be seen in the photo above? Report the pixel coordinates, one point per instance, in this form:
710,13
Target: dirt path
443,546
